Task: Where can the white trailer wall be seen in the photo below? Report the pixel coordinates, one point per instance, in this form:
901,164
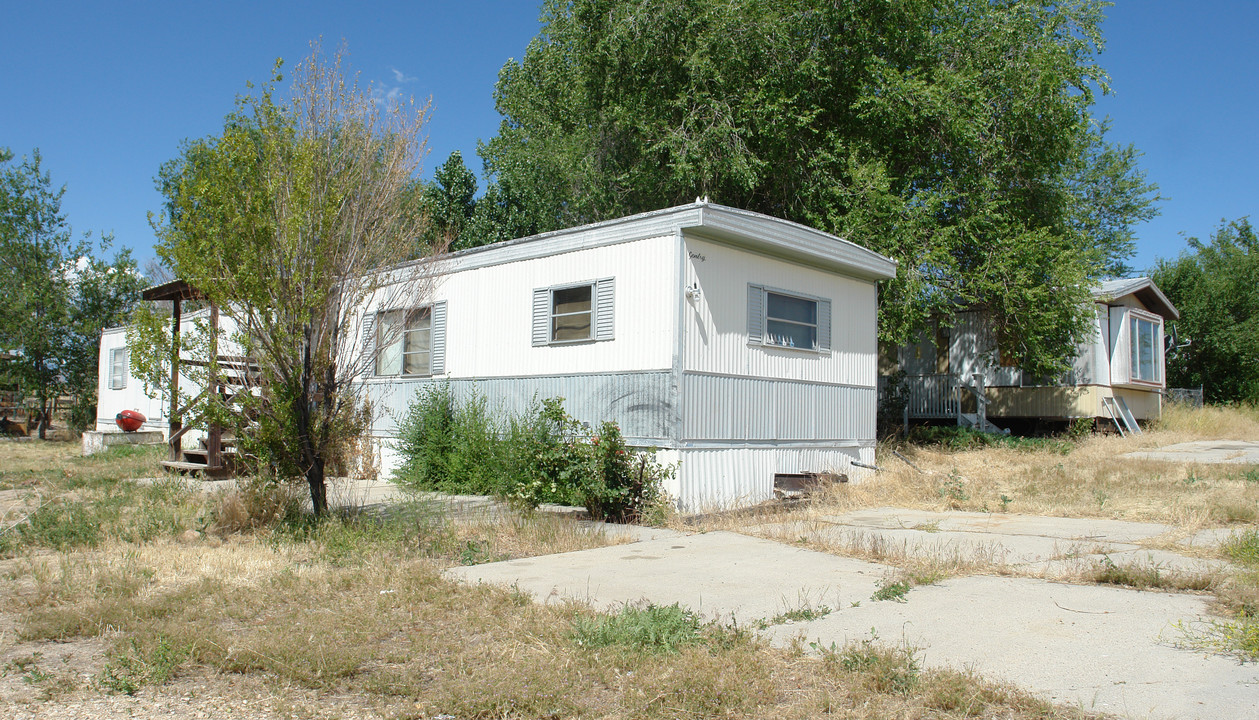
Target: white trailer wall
750,411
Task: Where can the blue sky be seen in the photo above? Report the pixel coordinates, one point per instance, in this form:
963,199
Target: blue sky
107,91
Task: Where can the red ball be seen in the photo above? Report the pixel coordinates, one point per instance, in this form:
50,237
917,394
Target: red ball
129,420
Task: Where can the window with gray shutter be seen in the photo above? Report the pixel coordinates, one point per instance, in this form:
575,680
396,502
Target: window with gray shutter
577,313
785,319
605,291
118,369
756,313
406,342
541,316
437,362
369,344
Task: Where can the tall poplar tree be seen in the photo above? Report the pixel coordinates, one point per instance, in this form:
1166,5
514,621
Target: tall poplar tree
955,136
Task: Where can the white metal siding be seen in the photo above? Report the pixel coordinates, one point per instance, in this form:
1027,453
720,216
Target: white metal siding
717,319
709,479
110,402
490,329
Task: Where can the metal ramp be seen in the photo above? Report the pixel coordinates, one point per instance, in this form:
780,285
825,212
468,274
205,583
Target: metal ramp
1118,411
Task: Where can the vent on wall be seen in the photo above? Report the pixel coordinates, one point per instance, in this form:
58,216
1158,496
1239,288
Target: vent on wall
797,486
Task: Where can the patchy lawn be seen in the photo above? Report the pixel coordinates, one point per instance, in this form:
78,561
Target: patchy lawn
1087,477
148,599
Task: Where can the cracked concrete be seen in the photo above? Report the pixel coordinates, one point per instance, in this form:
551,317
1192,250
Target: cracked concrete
1102,648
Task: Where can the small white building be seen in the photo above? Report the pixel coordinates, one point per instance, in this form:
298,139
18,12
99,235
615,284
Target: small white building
740,345
1119,369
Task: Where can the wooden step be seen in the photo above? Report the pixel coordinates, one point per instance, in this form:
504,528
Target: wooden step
195,469
202,456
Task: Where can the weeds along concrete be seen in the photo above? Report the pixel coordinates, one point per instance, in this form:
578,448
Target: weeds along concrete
180,594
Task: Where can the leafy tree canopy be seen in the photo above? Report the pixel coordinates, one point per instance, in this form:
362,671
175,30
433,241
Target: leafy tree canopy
285,221
954,136
58,294
1215,286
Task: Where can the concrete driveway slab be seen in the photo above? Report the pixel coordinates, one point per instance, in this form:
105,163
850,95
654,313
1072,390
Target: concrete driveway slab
1232,452
1100,529
1102,648
1106,649
721,575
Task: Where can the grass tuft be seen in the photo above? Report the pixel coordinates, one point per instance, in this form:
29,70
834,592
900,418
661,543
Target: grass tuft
652,629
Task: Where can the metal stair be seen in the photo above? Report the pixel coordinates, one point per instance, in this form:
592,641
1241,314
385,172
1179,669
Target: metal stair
978,419
1118,412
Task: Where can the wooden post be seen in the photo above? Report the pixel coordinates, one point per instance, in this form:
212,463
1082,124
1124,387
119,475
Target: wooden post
176,423
214,443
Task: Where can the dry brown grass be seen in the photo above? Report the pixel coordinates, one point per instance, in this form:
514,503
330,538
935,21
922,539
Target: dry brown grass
1092,480
355,609
409,644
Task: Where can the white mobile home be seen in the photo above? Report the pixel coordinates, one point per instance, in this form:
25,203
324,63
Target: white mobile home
741,345
1118,369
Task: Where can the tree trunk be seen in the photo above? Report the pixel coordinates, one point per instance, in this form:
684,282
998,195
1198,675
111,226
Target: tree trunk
43,419
318,488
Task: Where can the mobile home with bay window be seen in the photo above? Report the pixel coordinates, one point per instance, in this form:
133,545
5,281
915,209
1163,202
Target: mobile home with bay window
1116,377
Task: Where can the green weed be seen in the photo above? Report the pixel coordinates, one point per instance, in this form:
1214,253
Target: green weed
1146,576
1238,638
876,667
1243,547
127,671
889,590
661,629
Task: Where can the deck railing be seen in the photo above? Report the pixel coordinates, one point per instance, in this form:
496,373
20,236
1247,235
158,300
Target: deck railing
931,396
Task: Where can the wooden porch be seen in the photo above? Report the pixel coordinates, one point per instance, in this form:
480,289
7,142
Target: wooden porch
228,378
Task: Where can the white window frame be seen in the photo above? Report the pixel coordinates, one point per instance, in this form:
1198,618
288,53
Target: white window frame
602,312
404,335
119,370
759,319
1134,321
589,313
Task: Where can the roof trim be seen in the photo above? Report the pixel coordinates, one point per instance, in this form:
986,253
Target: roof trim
767,234
1144,289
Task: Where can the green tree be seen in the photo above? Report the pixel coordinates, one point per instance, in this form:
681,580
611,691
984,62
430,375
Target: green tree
285,221
1216,288
952,135
58,295
450,201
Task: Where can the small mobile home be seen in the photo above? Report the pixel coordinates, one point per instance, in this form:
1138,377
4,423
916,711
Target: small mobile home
1117,374
740,345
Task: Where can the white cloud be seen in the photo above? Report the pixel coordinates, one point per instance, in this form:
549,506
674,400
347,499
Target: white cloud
402,77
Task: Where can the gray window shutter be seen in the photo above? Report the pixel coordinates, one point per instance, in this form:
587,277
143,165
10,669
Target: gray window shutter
437,356
369,344
756,313
541,316
605,295
824,325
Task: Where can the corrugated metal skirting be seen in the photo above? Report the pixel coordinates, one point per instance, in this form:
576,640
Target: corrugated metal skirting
721,478
640,402
743,409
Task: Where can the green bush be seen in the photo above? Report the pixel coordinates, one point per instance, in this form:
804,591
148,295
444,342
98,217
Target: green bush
541,455
654,629
955,437
451,447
